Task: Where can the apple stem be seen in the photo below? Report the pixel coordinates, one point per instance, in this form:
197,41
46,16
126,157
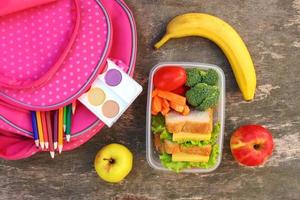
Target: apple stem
110,160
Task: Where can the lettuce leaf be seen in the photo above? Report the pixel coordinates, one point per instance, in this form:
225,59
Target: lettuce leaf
166,135
166,160
158,124
158,127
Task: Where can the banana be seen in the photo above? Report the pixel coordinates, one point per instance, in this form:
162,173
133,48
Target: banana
221,33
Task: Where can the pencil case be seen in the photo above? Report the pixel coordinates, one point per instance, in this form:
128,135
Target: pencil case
50,55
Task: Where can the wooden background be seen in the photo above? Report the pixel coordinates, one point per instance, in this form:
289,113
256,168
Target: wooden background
271,30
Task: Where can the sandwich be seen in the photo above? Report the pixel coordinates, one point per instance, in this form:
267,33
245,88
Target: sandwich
186,141
196,126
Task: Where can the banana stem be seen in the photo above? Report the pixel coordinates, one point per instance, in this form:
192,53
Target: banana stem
162,41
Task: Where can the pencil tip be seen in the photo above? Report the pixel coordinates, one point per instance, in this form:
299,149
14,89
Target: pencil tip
42,145
73,107
64,128
46,145
36,143
68,137
52,154
60,147
55,145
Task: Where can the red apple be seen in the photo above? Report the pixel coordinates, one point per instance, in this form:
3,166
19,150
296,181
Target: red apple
251,145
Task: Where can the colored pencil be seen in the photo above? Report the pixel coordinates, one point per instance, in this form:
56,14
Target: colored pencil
40,129
34,128
65,118
68,124
74,105
45,131
50,134
55,129
60,129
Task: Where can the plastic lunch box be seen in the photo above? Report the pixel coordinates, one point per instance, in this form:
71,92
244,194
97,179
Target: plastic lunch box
151,153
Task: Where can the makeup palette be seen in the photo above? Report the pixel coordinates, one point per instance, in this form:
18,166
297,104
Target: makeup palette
111,94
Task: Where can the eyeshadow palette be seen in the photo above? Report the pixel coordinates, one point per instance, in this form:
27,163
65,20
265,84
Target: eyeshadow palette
111,94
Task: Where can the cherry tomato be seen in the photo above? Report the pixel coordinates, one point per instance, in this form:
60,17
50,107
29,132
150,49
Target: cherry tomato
169,78
181,90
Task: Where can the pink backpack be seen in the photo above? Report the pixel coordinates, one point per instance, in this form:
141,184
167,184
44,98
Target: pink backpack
49,56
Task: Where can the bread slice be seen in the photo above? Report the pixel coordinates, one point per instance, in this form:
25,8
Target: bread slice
195,122
189,157
170,147
203,151
158,143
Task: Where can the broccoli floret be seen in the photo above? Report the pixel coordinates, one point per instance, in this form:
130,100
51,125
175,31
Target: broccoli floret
211,77
197,94
195,76
211,99
203,96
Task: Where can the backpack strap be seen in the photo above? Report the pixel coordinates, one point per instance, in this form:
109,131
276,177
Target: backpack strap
11,83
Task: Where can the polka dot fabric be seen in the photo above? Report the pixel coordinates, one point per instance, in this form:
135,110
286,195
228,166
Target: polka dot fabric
17,143
32,40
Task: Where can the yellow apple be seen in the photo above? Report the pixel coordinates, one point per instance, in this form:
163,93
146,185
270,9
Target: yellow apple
113,162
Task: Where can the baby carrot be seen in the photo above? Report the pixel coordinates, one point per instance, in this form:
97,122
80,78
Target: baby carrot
172,97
